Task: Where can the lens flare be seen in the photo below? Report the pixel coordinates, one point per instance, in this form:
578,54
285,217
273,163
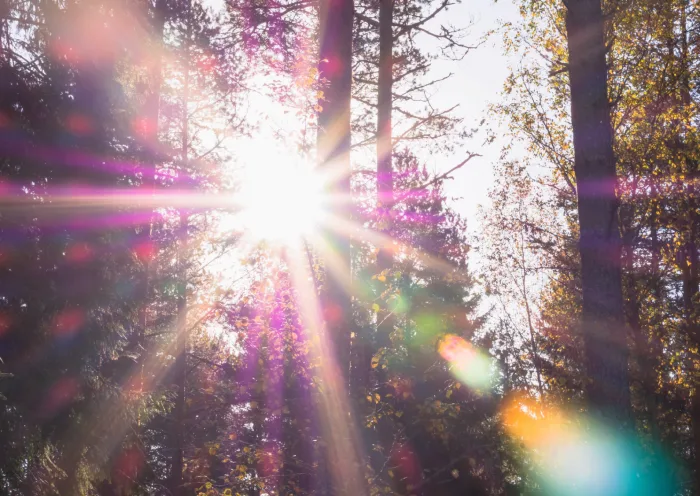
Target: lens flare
469,365
576,455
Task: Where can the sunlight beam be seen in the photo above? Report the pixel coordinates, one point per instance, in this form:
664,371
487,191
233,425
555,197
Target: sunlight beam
337,422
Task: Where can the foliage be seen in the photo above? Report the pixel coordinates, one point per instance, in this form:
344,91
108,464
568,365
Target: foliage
149,345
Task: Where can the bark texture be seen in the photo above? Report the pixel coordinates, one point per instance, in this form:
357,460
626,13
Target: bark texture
343,453
335,54
604,331
385,183
177,487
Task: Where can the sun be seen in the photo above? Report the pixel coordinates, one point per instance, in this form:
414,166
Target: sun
281,197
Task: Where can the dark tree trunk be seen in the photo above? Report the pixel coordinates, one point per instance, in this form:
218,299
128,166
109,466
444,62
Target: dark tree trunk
604,332
151,114
180,367
385,183
335,55
642,348
151,117
385,202
654,348
343,458
180,370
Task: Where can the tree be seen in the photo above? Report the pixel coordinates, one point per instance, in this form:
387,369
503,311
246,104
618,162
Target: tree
71,115
535,106
596,179
335,67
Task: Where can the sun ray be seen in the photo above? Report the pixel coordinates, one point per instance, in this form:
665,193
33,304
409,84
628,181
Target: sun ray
332,262
363,233
337,420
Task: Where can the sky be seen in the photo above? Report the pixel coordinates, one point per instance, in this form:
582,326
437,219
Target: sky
477,82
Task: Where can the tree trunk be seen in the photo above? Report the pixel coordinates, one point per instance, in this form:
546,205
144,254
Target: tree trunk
642,349
336,20
344,460
528,313
604,332
385,183
385,203
151,118
177,464
151,156
180,369
151,114
654,348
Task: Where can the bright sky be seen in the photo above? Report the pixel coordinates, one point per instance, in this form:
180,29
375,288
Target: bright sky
477,82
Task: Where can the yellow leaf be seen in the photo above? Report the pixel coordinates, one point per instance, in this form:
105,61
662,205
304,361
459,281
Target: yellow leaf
375,361
391,473
458,385
449,393
369,398
375,307
246,450
377,397
381,278
399,413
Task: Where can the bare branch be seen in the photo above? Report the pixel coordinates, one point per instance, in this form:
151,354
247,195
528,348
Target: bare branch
436,179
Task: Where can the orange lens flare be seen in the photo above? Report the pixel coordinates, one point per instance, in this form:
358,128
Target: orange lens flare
467,363
574,454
